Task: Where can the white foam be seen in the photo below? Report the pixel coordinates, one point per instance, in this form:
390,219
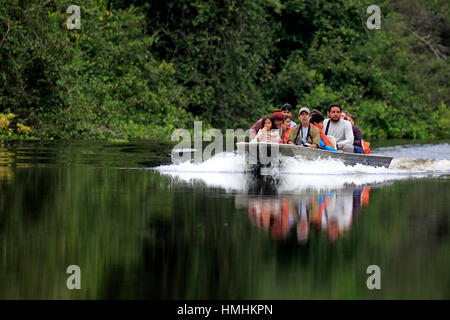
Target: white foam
230,162
223,162
226,170
184,150
228,181
420,165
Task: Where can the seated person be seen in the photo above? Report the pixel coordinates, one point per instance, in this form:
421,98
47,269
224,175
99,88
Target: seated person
317,121
285,129
277,117
357,143
339,128
331,139
287,111
304,134
266,134
344,114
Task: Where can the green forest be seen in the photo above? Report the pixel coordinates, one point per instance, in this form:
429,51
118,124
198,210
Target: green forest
140,69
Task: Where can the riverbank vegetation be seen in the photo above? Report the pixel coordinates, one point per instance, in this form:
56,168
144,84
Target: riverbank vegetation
138,69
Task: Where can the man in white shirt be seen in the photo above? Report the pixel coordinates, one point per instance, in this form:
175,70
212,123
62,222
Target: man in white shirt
339,128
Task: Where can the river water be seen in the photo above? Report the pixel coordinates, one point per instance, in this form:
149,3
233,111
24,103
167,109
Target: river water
140,227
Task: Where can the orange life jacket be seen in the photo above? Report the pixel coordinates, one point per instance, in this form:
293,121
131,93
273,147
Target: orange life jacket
365,196
366,146
323,137
284,133
288,130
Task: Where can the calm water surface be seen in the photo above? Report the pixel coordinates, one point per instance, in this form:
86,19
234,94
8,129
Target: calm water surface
140,227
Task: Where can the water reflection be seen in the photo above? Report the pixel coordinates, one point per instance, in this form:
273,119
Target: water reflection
332,212
222,234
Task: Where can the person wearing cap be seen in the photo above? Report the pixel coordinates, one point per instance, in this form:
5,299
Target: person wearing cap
277,117
304,134
339,128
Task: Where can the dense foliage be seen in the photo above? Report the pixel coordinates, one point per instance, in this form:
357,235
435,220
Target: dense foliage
140,69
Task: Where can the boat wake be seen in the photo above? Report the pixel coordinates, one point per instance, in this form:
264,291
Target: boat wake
231,162
226,170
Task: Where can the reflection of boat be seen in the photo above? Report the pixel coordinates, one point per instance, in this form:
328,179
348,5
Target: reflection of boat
259,155
331,212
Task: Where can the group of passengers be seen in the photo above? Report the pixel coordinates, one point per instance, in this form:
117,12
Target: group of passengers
336,133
